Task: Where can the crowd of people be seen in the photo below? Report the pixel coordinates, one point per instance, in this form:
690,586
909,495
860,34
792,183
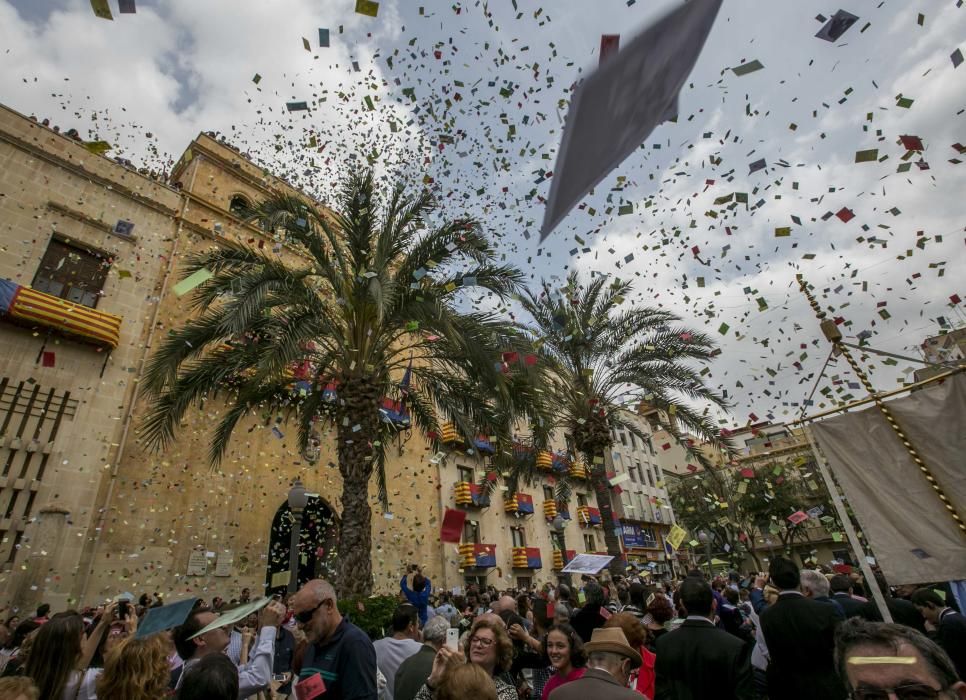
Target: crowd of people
781,635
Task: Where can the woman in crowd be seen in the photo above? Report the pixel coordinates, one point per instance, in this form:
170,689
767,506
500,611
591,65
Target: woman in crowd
215,677
466,681
135,669
18,688
565,650
487,646
660,611
60,655
642,678
11,656
524,610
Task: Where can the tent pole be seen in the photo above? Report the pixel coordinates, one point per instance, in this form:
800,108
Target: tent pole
850,532
834,336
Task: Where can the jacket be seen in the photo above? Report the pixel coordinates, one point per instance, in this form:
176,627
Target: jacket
698,660
595,684
412,673
850,606
800,634
420,599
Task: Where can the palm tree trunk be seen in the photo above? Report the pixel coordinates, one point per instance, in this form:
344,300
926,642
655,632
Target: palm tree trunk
358,428
598,480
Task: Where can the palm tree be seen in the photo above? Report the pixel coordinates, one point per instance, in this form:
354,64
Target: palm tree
323,341
599,357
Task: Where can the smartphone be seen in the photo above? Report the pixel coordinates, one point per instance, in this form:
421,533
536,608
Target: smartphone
122,611
453,639
280,677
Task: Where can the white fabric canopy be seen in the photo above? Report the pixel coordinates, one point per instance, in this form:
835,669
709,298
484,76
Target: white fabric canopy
911,533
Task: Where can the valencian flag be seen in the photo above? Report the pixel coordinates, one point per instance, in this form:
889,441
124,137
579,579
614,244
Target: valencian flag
525,503
485,555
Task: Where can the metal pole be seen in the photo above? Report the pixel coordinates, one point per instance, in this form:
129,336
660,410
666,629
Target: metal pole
834,336
293,552
847,526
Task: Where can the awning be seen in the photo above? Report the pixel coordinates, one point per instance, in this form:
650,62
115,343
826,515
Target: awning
28,307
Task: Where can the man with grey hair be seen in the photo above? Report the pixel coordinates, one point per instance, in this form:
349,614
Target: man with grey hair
336,650
877,660
815,586
414,671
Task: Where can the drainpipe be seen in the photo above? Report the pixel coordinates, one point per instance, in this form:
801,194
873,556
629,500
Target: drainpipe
128,418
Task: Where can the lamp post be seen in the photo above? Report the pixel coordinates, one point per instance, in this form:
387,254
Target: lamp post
297,500
705,539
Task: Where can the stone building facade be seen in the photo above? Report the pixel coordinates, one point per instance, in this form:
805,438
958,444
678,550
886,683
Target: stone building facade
88,511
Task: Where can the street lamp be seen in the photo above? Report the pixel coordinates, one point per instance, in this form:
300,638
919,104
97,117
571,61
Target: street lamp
297,500
705,539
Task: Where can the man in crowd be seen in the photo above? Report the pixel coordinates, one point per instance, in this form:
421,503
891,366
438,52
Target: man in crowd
418,593
949,625
816,586
698,660
800,636
43,612
841,587
336,650
414,671
610,660
588,618
902,610
404,642
445,608
254,676
879,660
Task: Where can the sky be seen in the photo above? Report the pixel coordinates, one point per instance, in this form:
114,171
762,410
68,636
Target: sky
469,98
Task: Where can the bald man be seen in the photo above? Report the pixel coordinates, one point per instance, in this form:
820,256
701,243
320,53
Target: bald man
337,650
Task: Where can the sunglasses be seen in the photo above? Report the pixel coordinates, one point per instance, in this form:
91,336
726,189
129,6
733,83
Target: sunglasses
305,617
907,691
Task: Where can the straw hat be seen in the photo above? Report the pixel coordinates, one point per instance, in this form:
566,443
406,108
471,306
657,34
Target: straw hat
612,639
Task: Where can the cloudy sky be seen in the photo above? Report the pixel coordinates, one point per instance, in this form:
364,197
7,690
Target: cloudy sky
470,97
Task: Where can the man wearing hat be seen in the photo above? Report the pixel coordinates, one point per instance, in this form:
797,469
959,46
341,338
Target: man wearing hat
610,660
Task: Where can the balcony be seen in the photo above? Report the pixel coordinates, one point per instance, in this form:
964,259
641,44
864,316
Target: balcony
477,556
449,435
560,559
588,517
526,558
550,509
28,307
577,470
471,495
519,504
544,461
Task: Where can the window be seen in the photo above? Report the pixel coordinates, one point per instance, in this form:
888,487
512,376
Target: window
590,543
623,439
548,493
471,532
466,473
72,271
524,583
519,538
633,441
239,206
581,500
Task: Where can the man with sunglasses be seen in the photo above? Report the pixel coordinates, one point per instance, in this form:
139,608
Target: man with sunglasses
338,651
880,661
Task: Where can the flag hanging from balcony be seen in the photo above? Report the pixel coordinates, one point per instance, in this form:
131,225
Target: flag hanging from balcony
593,516
533,558
525,503
479,497
28,307
485,555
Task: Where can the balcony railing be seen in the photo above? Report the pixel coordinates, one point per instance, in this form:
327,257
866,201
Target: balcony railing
560,560
519,504
28,307
550,509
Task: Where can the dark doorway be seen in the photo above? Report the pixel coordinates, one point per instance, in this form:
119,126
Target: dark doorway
317,542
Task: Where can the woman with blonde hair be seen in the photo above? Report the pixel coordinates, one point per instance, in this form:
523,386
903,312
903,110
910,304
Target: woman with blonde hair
466,681
136,669
487,646
18,688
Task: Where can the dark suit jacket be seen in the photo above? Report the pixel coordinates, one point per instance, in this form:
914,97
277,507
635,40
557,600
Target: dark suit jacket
952,638
412,673
851,606
903,613
800,635
698,660
595,684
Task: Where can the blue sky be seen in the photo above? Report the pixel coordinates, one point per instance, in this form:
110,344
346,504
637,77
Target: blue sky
493,80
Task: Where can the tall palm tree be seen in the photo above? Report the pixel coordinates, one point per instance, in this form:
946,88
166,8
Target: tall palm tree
600,357
324,341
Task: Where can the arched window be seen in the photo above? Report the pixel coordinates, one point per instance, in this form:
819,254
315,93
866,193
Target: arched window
239,206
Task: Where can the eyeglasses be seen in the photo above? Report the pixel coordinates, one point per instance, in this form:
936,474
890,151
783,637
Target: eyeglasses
907,691
305,617
481,641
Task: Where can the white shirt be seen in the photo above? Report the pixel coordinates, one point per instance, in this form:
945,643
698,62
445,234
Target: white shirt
86,680
254,676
